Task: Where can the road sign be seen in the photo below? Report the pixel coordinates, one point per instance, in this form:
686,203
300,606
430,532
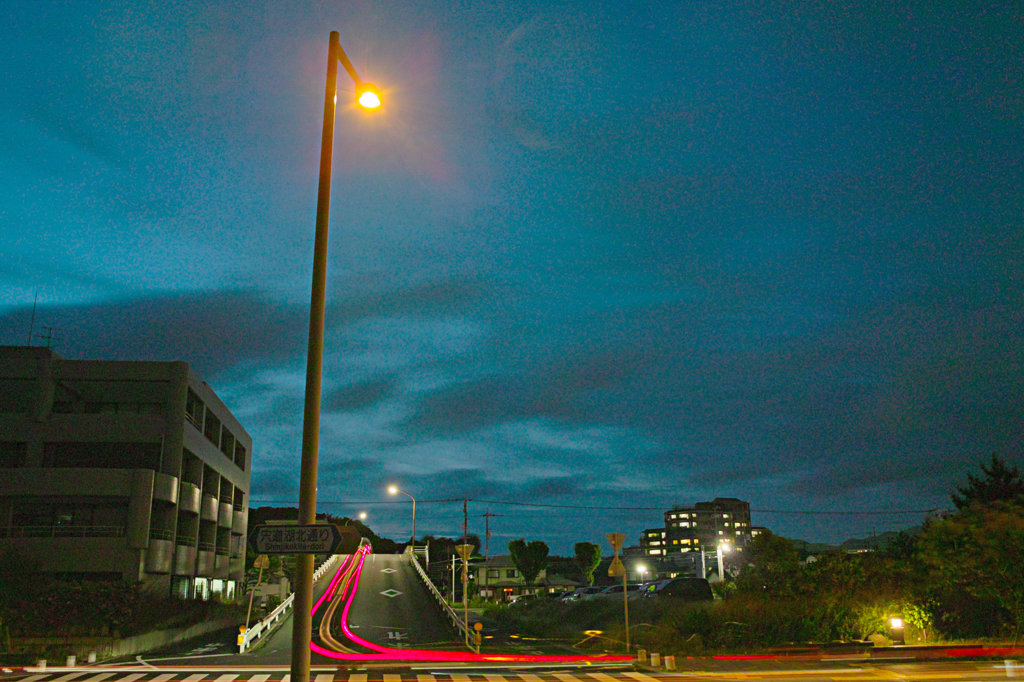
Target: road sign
616,569
616,540
320,538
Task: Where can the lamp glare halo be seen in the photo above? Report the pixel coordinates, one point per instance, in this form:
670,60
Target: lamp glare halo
368,96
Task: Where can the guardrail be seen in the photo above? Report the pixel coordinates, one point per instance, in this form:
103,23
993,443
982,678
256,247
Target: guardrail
267,625
456,620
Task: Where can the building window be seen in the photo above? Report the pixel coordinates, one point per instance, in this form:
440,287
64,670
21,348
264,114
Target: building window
239,455
511,573
493,573
102,455
12,454
211,428
18,396
227,441
194,409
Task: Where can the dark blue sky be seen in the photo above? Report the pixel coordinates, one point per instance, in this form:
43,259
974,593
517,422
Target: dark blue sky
607,254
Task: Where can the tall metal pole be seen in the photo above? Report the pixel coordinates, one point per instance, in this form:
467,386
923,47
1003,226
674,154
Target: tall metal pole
302,624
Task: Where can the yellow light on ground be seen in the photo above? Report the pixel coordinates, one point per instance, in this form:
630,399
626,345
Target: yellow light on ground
368,96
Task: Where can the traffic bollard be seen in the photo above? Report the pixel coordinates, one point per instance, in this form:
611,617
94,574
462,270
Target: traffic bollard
670,663
641,655
656,660
70,662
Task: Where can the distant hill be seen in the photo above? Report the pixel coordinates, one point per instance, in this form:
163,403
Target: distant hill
870,543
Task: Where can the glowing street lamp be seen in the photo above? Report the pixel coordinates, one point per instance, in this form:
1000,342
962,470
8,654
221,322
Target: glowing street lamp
369,97
723,548
394,490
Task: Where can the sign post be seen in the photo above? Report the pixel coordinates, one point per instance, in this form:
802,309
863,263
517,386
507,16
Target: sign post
465,551
617,569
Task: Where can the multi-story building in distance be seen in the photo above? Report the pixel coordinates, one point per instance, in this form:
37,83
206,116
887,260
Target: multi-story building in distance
124,470
704,526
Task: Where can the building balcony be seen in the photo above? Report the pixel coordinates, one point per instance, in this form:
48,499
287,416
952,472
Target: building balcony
184,560
238,524
222,567
205,563
165,488
159,556
225,515
189,497
208,509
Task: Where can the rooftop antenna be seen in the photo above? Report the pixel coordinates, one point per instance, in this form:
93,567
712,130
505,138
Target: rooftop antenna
48,336
32,320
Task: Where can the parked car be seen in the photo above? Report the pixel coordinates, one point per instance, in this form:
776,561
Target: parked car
580,592
523,598
683,589
616,590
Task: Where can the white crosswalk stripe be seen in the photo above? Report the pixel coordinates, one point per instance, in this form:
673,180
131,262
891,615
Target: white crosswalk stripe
68,677
526,677
259,678
324,677
223,678
357,677
194,678
640,676
389,677
161,678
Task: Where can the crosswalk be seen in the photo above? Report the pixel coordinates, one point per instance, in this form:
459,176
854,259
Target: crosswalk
114,675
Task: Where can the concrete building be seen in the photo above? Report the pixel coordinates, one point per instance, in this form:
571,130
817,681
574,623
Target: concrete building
690,540
122,470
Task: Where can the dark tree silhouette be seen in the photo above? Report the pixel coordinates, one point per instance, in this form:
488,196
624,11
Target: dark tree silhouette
999,483
530,559
588,556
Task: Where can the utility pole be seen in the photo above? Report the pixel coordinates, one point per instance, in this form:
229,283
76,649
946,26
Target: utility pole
487,532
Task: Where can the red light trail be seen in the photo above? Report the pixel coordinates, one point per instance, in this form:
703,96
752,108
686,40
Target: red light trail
355,562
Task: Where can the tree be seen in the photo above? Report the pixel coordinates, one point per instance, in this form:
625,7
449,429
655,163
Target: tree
530,558
773,566
588,556
999,483
972,562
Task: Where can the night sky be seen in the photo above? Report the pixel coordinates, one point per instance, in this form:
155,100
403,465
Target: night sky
592,254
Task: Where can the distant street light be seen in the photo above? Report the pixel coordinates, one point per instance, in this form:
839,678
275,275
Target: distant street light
394,490
362,516
641,569
722,549
302,625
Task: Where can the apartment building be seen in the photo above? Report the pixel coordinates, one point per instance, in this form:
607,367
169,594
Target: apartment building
704,526
122,470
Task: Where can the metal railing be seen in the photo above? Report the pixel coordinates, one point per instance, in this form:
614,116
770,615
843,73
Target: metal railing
267,625
456,620
62,532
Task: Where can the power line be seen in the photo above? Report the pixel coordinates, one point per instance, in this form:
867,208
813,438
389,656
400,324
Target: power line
583,507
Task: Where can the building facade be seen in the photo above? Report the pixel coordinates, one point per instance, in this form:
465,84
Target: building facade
126,470
704,527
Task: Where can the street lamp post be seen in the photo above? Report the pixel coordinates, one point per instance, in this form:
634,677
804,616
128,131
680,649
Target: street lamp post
394,490
721,550
302,624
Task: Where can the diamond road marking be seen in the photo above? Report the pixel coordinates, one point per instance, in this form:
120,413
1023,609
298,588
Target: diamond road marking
388,570
391,594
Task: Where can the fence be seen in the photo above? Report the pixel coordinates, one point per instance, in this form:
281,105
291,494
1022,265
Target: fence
456,620
268,624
